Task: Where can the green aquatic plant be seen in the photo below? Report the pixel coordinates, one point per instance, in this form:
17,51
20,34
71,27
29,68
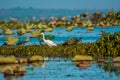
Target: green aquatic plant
95,17
82,57
48,29
21,31
11,40
90,29
35,33
79,58
69,28
8,32
36,58
106,46
9,59
71,41
111,18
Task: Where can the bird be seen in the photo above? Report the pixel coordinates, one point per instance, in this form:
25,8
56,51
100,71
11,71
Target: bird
48,42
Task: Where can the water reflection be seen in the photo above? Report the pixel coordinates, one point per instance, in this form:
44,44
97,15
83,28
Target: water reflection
64,69
12,71
84,64
15,71
109,65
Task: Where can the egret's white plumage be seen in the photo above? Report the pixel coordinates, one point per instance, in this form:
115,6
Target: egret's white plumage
48,42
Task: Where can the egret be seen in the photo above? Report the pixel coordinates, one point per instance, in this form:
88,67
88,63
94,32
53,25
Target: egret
48,42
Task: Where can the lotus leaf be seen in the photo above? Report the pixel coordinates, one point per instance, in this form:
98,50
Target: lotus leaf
82,57
30,26
69,28
28,30
8,32
39,26
84,24
48,30
35,33
11,40
23,60
79,58
89,29
44,26
21,31
9,59
75,25
36,58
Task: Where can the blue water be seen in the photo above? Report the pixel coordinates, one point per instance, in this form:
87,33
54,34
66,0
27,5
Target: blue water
58,69
61,35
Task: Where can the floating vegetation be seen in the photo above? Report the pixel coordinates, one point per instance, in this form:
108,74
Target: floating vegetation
71,41
107,45
69,29
90,29
11,40
111,18
36,58
35,33
8,32
48,30
82,57
9,59
21,31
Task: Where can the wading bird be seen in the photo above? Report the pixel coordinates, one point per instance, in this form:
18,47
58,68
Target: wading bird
48,42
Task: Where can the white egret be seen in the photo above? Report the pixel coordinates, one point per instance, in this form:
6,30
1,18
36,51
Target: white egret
48,42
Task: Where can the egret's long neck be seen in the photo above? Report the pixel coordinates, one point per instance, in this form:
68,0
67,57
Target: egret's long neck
43,37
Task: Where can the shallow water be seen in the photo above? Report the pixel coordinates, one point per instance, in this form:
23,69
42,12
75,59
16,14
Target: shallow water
61,35
61,69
